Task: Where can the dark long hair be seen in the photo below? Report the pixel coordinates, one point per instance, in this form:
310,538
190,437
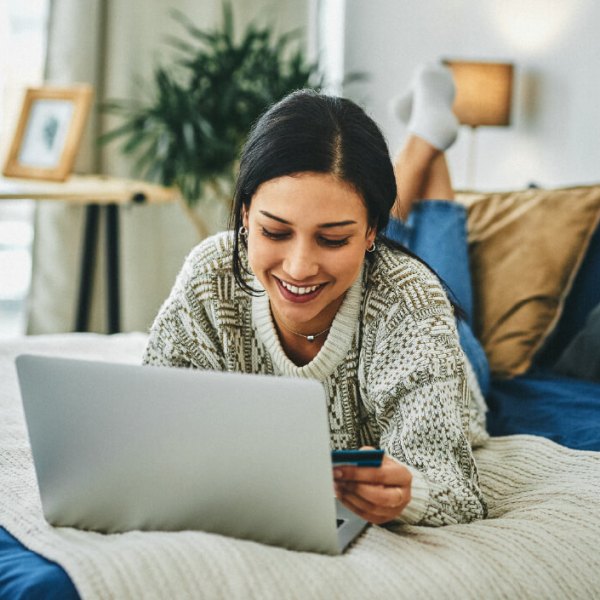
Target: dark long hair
312,132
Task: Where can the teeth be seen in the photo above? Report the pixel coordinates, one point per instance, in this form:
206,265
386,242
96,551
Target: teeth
299,290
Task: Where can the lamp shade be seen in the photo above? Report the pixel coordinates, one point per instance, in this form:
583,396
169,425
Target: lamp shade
483,92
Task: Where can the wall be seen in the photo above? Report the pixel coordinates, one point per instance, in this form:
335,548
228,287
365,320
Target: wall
555,131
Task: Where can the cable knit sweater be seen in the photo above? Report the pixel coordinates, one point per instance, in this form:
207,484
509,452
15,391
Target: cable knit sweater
392,367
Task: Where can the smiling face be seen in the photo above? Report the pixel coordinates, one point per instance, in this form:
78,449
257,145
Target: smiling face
307,237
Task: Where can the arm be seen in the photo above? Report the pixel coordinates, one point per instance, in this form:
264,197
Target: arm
416,387
423,413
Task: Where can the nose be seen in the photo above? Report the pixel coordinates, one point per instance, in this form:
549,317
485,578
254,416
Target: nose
300,262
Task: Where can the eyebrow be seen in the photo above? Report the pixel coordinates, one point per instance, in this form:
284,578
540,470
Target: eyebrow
320,225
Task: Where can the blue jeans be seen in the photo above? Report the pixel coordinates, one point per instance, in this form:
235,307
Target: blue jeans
436,231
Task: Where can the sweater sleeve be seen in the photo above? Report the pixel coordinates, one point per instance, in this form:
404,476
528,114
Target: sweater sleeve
418,390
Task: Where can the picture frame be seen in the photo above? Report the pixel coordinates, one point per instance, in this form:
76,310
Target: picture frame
48,132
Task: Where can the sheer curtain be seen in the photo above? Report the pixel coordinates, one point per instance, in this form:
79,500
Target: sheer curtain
23,29
112,45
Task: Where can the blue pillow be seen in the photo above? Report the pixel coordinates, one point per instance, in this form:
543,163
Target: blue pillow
583,297
25,574
559,408
581,359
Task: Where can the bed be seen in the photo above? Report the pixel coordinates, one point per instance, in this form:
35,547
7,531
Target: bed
542,537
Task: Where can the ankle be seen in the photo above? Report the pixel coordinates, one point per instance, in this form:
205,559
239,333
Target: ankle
418,154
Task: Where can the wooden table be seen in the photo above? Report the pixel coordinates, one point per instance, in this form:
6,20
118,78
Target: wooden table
97,193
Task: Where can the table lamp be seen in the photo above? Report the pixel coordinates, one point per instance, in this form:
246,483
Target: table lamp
483,98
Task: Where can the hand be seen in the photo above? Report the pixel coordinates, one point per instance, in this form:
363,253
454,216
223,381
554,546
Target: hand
377,494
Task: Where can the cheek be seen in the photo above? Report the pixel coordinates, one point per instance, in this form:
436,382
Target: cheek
260,254
346,265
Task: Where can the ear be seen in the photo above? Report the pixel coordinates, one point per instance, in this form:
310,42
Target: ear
370,239
245,216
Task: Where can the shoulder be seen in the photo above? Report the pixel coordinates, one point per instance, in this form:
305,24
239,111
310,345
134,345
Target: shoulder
409,325
186,329
208,269
399,283
205,293
214,254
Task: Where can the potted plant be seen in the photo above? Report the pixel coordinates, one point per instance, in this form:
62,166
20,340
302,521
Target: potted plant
189,131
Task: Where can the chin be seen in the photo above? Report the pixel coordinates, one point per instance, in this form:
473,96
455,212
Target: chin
300,313
303,313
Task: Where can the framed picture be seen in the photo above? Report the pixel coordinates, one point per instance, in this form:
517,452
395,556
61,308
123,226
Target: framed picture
49,132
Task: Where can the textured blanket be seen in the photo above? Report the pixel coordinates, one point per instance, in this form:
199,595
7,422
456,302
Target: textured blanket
541,540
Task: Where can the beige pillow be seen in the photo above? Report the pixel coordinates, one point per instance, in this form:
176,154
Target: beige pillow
525,249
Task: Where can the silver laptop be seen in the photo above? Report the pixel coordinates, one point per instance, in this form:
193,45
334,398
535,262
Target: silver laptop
122,447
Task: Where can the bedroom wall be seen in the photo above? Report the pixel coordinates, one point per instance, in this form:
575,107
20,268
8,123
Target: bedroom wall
555,46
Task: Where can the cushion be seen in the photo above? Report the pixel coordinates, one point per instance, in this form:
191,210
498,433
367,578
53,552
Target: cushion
581,359
583,297
525,249
543,403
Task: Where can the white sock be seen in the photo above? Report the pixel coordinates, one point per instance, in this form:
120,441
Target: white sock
431,117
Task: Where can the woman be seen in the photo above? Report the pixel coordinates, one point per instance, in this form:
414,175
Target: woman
307,285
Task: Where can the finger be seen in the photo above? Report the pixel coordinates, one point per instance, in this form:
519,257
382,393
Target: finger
390,473
366,510
366,474
391,497
355,509
365,504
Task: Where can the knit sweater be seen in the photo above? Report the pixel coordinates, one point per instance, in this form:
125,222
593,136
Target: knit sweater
394,373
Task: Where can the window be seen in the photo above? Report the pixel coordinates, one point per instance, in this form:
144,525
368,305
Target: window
23,27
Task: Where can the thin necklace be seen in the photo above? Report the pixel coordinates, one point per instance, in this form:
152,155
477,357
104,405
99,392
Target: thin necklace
310,338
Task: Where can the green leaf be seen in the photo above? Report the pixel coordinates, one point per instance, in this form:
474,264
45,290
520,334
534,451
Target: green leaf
198,108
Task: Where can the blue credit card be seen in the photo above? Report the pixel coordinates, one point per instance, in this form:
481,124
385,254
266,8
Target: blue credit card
357,458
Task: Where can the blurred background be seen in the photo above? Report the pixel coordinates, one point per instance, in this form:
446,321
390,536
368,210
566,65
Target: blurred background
551,140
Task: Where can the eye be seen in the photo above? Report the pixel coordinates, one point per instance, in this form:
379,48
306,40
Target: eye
334,243
272,235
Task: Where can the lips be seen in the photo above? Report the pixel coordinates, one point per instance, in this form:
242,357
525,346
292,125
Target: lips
298,294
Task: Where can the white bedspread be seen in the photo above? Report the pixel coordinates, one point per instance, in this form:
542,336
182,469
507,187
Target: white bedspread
541,540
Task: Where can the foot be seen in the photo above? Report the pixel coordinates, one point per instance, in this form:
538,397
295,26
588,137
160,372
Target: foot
427,108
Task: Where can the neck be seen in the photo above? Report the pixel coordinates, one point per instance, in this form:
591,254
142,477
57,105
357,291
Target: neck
309,337
295,338
315,329
299,350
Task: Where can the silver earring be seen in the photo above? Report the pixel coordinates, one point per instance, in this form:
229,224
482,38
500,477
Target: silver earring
243,231
372,248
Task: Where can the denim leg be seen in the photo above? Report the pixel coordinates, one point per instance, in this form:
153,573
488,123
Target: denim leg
476,355
439,237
